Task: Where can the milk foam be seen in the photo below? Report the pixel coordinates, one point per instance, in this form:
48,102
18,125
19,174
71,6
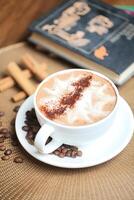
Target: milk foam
89,108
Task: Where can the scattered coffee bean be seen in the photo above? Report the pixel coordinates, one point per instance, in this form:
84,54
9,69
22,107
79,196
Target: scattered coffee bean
4,130
2,148
2,113
18,160
14,143
7,135
13,135
12,122
16,109
2,135
8,152
1,140
5,157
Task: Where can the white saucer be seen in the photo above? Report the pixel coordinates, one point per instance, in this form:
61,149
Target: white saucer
98,151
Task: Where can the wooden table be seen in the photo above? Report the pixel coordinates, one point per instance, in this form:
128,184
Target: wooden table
33,180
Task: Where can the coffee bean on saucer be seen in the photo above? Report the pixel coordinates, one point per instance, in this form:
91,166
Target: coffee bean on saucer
59,149
18,159
79,153
2,113
25,128
73,154
30,135
64,151
56,152
61,155
35,129
16,108
68,153
74,148
8,152
5,157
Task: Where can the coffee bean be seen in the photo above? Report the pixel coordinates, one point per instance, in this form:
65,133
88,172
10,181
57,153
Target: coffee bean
8,152
25,128
28,113
59,149
2,113
79,153
64,150
7,135
61,155
1,140
5,157
14,143
74,148
68,153
35,129
2,148
13,135
32,126
73,154
56,152
2,135
12,122
18,160
4,130
26,122
30,135
16,108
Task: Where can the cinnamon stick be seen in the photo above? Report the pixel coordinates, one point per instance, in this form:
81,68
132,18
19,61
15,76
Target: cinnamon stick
22,81
8,82
19,96
33,66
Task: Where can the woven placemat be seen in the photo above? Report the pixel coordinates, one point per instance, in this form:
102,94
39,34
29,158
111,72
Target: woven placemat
34,180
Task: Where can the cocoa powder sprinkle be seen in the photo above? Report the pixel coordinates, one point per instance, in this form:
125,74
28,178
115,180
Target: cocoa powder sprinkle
68,100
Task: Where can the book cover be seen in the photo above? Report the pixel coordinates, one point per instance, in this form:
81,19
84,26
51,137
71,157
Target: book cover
94,30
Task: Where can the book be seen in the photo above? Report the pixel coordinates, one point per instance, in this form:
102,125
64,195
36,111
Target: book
126,9
90,34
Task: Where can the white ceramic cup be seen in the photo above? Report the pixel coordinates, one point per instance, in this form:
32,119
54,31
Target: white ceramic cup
71,135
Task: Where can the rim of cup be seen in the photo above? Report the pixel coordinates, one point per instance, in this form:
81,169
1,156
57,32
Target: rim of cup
81,126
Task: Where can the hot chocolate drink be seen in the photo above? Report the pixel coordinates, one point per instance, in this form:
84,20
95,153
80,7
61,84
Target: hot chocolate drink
76,98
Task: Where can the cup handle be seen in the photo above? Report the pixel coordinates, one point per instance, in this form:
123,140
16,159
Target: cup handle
41,138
